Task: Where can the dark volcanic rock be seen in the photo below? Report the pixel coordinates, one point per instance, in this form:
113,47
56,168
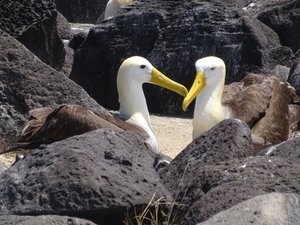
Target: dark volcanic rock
288,149
34,24
42,220
63,27
228,140
2,167
269,209
284,18
173,35
294,76
27,83
77,11
99,175
228,183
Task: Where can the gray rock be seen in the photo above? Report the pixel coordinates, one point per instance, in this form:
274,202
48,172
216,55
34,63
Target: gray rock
281,72
227,140
63,27
42,220
289,149
284,19
100,175
77,11
269,209
34,24
294,76
27,83
173,35
2,167
229,183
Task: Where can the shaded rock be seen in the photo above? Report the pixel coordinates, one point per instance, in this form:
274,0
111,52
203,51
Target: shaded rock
77,11
284,19
99,175
27,83
228,183
42,220
2,167
33,23
289,149
77,40
294,76
281,72
63,27
227,140
269,209
67,67
173,35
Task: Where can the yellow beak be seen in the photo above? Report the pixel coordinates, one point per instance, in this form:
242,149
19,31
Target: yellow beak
159,79
197,87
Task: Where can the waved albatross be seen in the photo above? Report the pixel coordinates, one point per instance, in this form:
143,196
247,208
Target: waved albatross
113,6
259,100
47,125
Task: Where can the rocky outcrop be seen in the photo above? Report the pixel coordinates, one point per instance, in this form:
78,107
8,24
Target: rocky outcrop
288,149
77,11
269,209
228,140
216,171
282,16
33,23
100,175
2,167
231,182
294,76
173,35
42,220
27,83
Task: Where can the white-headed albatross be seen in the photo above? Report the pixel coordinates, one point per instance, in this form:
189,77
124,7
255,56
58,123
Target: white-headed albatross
47,125
259,100
113,6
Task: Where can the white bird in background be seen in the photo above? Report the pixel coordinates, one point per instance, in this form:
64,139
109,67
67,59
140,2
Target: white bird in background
113,6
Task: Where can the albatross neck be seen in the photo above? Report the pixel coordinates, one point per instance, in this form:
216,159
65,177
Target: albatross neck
134,110
208,108
133,104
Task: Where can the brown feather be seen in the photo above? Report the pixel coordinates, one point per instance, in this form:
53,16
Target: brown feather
263,103
47,125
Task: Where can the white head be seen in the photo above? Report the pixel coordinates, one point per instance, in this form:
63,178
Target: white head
138,70
210,73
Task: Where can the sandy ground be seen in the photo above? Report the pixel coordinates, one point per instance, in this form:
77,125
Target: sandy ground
173,135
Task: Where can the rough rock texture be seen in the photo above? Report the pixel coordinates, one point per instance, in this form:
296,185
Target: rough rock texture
228,183
2,167
288,149
34,24
269,209
227,140
284,19
173,35
77,11
63,27
294,76
43,220
97,175
27,83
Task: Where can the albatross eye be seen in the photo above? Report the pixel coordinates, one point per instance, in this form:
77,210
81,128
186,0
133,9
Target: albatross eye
213,68
142,66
